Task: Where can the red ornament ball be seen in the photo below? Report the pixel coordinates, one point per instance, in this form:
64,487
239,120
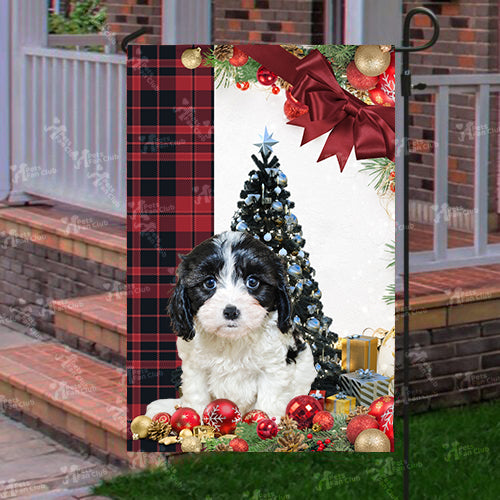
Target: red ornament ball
184,418
267,428
302,409
387,81
238,444
254,416
359,424
222,415
275,89
239,58
162,417
378,96
379,406
266,77
242,85
386,424
293,108
358,80
324,419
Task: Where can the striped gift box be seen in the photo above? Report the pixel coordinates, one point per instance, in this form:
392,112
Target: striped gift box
364,385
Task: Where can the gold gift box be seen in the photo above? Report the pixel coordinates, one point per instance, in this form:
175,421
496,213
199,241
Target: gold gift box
343,405
359,351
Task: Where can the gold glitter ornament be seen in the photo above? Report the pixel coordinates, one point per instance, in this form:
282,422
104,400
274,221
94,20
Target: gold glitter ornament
192,444
140,427
191,58
372,440
185,433
370,60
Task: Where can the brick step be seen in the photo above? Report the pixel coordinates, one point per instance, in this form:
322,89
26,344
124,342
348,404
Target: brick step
69,229
70,393
53,253
451,297
95,324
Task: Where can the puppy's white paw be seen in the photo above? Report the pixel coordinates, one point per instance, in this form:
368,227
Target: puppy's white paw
162,405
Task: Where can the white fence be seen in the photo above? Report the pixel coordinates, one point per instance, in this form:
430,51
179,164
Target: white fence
442,257
68,118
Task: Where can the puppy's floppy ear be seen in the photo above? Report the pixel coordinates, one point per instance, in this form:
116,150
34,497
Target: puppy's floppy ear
283,303
180,312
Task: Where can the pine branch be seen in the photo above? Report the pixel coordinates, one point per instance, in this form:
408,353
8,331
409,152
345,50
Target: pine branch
380,170
390,248
390,297
248,432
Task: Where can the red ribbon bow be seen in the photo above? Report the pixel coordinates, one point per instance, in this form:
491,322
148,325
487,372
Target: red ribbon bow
370,129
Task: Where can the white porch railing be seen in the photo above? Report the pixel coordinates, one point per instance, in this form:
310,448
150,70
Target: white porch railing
68,118
442,257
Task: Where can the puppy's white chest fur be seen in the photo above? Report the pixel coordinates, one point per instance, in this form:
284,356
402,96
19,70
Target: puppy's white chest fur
251,371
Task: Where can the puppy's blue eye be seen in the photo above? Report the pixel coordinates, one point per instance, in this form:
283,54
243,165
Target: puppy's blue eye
252,282
210,283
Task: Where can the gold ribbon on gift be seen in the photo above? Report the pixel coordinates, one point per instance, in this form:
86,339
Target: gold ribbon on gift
358,351
381,335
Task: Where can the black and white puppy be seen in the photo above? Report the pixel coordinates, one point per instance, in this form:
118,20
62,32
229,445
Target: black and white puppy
232,314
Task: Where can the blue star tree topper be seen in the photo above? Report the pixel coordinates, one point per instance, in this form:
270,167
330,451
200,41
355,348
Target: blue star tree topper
266,146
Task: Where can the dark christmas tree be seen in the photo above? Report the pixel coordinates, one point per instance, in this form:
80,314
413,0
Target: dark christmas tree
265,213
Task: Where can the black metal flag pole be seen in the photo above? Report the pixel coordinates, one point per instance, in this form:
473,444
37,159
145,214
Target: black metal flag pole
406,87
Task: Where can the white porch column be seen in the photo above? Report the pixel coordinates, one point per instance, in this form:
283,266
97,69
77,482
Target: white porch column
28,27
186,21
4,100
370,22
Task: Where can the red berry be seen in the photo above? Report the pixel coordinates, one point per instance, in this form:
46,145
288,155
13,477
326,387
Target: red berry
328,441
319,442
392,174
309,436
392,186
275,89
242,85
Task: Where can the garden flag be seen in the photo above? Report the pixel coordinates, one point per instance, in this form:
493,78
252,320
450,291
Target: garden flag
261,185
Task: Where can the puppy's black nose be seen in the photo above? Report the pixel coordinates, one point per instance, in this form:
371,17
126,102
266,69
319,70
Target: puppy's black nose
231,312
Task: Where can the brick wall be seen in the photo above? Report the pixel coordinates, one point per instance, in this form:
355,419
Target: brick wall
268,21
127,16
468,43
451,366
31,276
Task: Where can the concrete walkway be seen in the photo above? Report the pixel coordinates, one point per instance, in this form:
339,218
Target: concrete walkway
31,464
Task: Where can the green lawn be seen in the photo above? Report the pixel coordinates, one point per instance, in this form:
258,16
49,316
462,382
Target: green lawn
454,454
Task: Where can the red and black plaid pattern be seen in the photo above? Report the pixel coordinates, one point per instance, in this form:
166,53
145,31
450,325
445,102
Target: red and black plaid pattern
170,113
